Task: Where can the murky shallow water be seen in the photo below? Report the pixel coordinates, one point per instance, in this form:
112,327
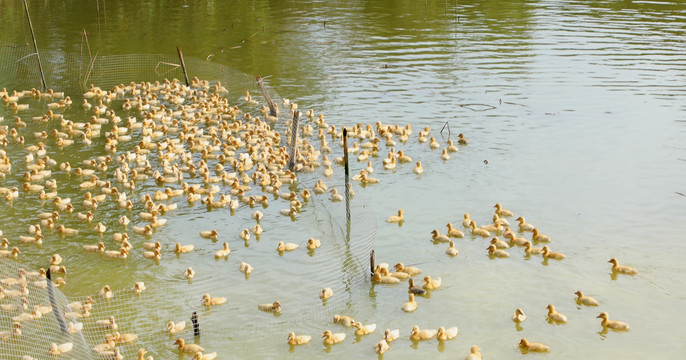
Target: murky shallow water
585,141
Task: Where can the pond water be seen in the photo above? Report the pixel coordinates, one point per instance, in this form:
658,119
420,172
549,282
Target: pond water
576,120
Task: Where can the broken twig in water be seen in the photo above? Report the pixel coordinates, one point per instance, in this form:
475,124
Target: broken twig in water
485,107
444,126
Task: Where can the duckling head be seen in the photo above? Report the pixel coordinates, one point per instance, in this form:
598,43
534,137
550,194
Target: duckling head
326,334
603,315
613,261
524,343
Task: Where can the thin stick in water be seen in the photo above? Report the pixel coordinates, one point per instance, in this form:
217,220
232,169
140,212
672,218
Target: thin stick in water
35,47
183,65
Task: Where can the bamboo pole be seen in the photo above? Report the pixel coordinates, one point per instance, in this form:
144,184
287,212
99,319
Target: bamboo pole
35,47
294,140
183,66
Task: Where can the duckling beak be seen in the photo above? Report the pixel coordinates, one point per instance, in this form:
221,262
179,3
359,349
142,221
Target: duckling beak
323,335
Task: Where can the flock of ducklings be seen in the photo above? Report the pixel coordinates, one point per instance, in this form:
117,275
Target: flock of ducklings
191,144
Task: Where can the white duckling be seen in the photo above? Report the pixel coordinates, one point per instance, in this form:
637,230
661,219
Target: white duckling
207,300
518,316
298,339
547,254
245,268
138,287
396,218
281,247
174,328
446,334
410,305
431,284
391,335
493,251
555,316
533,346
224,252
417,334
438,237
452,250
622,269
445,155
326,293
523,225
612,324
381,346
124,221
418,169
363,329
585,300
332,338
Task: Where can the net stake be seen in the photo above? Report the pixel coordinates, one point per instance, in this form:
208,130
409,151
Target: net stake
35,47
294,139
267,98
53,303
196,324
347,182
183,65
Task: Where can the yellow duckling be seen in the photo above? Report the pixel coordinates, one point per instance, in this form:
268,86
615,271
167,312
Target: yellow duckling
515,240
444,155
146,230
281,247
502,212
124,221
451,147
257,229
138,287
523,225
422,334
533,346
245,268
612,324
344,320
189,273
452,232
493,251
555,316
332,338
125,338
298,339
183,248
55,349
224,252
466,222
530,250
209,234
438,237
207,300
65,230
381,346
244,235
518,316
461,140
326,293
391,335
433,144
108,324
335,196
396,218
100,247
187,348
313,243
363,329
200,356
537,236
122,253
418,169
547,254
585,300
273,307
622,269
153,255
36,239
407,269
174,328
474,353
431,284
478,231
452,250
446,334
410,305
402,158
257,215
499,244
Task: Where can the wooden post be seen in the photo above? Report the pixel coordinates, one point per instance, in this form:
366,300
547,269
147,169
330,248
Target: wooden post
347,180
196,324
35,47
183,66
294,140
267,98
55,309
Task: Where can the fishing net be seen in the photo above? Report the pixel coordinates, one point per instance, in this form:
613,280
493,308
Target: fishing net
295,279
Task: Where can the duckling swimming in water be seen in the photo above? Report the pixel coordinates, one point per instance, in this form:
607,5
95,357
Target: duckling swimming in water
414,289
530,250
461,140
381,346
207,300
209,234
187,348
555,316
410,305
281,247
245,268
523,225
407,269
547,254
502,212
446,334
299,339
438,237
452,250
533,346
326,293
478,231
391,335
364,329
200,356
492,250
189,273
174,328
331,338
396,218
518,316
537,236
452,232
344,320
474,353
272,307
431,284
179,249
585,300
224,252
612,324
622,269
418,169
424,334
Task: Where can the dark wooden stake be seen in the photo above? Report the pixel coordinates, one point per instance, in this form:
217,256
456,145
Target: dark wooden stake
347,180
35,47
53,304
183,66
196,324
